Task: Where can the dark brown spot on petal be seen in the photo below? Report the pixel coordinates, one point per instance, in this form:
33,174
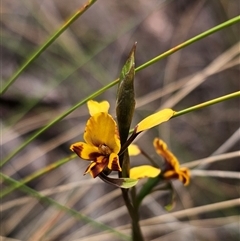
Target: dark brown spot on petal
98,168
94,155
77,149
89,168
115,166
101,159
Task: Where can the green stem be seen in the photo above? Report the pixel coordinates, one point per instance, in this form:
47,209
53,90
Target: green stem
47,44
207,103
137,233
136,230
70,211
188,42
133,212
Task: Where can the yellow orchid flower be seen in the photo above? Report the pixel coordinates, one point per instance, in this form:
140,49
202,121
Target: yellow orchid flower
172,169
101,145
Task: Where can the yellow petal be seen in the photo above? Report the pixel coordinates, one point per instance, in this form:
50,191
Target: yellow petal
113,163
144,171
133,150
101,129
85,151
95,107
154,120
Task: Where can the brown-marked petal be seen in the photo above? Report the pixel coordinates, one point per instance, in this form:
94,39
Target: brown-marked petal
172,174
92,164
95,107
181,175
173,169
113,163
144,171
95,168
185,173
84,150
154,120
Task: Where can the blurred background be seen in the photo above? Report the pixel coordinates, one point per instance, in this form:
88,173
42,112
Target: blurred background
88,56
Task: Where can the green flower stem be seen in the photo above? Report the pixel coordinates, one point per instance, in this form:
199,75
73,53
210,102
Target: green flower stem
100,91
124,110
63,208
207,103
190,41
36,174
133,212
47,44
137,235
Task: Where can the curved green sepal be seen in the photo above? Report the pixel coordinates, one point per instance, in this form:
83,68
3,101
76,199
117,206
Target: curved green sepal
119,182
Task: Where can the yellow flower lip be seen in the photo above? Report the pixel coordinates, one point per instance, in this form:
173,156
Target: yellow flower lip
101,145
